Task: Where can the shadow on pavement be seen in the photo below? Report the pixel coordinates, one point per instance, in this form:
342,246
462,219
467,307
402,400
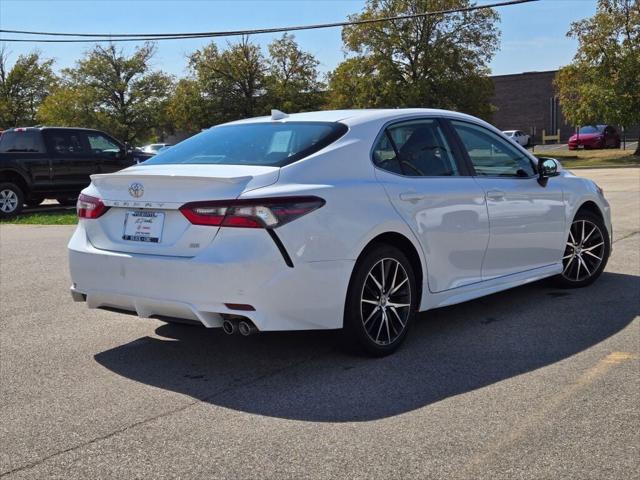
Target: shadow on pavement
450,351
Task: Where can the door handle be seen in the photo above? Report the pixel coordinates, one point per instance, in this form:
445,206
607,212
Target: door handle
495,195
411,197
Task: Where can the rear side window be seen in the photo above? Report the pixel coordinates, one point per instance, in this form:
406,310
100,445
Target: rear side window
416,149
28,141
66,142
267,144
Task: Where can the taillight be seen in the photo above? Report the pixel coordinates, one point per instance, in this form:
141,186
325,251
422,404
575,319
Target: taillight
250,213
90,207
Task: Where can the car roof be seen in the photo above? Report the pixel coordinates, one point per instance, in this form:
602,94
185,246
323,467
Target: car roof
41,127
358,116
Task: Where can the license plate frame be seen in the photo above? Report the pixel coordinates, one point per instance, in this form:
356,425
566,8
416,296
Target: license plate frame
143,226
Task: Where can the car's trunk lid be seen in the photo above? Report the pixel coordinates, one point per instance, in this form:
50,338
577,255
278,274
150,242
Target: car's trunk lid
152,195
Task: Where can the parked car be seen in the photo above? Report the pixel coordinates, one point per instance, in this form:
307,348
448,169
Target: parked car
595,136
519,137
52,162
154,148
351,219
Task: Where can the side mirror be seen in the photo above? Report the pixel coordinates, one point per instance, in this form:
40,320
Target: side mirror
547,168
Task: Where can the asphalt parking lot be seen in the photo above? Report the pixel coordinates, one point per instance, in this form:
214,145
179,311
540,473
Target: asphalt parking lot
531,383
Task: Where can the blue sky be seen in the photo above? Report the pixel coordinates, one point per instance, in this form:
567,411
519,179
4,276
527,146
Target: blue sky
533,35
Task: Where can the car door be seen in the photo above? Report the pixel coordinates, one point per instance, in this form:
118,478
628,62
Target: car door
109,155
72,160
527,219
426,181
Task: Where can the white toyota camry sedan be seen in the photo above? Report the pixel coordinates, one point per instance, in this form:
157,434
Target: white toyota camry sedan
351,220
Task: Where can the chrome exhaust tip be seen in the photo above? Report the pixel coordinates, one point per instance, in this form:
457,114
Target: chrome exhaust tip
246,328
229,327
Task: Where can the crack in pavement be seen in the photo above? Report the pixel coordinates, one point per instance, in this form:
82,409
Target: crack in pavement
628,235
146,421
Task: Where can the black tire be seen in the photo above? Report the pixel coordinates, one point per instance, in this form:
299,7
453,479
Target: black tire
391,330
11,200
33,201
67,201
576,259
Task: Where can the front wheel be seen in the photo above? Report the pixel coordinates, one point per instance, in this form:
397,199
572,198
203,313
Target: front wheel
381,301
586,251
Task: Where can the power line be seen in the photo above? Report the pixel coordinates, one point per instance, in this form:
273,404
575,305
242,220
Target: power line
135,37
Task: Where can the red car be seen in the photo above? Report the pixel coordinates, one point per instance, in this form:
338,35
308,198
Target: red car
595,136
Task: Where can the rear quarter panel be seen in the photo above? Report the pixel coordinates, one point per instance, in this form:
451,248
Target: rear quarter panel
357,207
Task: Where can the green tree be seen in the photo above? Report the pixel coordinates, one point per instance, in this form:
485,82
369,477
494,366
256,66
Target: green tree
436,61
23,87
602,84
113,92
188,109
292,79
232,78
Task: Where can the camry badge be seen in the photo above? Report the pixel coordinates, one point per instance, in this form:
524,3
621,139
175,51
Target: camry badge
136,190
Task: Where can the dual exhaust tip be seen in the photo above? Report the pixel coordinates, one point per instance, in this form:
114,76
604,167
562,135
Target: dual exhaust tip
244,327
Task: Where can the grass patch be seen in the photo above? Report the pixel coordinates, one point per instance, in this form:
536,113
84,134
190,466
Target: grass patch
593,158
44,218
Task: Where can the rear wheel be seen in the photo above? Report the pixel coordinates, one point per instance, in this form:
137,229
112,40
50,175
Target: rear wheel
11,200
586,252
381,301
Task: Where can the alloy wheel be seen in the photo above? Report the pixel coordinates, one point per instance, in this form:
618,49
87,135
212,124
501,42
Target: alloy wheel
385,301
584,251
8,201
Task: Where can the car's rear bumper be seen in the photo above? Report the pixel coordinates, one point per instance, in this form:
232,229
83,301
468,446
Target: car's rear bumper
241,267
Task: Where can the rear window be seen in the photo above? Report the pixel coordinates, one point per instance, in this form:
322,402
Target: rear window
266,144
29,141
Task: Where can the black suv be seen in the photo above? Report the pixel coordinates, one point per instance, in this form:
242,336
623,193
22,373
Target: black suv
52,162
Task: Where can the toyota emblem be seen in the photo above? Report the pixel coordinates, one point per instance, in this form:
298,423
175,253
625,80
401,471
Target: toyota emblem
136,190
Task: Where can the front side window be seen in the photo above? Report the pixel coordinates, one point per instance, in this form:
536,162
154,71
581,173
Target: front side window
417,149
22,141
267,144
490,155
102,145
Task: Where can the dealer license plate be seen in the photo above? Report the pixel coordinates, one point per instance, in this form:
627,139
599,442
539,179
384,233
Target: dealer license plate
143,226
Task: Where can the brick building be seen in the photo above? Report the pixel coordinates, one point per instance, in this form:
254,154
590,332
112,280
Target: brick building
529,102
